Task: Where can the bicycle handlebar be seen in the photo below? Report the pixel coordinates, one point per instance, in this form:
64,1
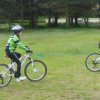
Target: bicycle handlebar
29,53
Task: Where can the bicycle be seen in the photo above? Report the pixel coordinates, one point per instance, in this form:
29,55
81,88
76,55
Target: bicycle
34,70
92,62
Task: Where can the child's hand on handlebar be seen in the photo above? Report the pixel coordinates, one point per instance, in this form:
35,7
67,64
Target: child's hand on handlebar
29,51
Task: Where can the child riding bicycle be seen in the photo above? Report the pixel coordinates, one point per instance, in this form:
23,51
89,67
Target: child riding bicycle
14,42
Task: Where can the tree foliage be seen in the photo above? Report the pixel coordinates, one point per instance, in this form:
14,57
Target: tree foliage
7,9
31,9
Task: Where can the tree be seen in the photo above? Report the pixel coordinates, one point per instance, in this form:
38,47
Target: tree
52,9
7,10
78,8
31,13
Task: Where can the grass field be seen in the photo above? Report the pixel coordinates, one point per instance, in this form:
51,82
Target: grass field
64,51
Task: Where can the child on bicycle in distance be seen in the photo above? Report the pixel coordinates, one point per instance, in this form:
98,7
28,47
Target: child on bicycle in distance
14,42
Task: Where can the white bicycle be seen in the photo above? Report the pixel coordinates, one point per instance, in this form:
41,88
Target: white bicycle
34,70
92,62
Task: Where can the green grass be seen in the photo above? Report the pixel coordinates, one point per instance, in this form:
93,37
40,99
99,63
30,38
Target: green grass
64,51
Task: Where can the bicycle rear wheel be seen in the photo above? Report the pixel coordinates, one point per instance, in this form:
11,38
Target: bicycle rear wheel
5,75
37,71
92,62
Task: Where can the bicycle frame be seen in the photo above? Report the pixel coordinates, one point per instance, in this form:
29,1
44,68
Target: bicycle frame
23,58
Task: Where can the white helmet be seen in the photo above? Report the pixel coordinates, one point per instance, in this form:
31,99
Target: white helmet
17,28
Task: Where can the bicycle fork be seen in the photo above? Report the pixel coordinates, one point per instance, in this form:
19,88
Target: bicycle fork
32,62
33,65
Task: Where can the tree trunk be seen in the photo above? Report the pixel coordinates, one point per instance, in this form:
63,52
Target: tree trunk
56,19
71,21
68,21
49,20
67,12
33,21
21,11
86,21
76,21
34,15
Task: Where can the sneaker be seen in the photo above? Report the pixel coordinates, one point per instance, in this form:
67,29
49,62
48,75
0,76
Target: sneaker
21,79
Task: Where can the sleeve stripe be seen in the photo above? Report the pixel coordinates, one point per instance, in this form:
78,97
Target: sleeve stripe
17,41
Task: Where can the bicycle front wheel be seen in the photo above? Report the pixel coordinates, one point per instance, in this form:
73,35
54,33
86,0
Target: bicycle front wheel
5,75
35,72
92,62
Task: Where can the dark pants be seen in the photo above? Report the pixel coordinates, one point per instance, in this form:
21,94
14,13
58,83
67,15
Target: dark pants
15,57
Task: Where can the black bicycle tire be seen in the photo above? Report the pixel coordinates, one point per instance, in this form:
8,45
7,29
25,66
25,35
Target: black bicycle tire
87,59
25,70
10,76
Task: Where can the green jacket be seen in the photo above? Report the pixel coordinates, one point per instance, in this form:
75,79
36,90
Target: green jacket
14,42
